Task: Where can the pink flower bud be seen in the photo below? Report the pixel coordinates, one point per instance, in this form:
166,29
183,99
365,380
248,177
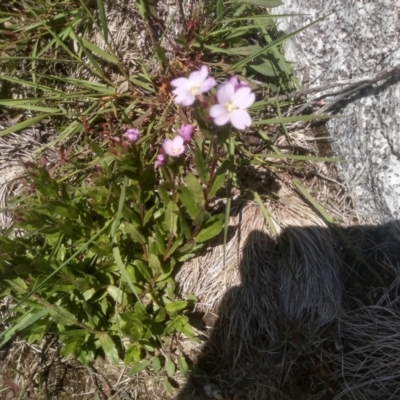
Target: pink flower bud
132,135
186,132
161,160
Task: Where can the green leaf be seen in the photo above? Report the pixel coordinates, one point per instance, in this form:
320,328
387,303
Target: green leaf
195,187
156,364
160,316
25,124
108,345
200,165
23,322
220,8
103,18
211,228
143,269
17,284
183,367
139,367
219,179
176,306
154,263
264,3
116,293
133,232
171,217
170,367
169,388
267,68
61,316
189,202
132,353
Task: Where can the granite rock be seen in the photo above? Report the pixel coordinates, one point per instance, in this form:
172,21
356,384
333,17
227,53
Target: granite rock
358,38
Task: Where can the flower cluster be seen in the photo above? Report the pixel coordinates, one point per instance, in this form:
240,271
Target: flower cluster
233,97
176,146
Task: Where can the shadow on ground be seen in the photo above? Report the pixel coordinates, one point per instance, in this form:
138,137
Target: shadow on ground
315,317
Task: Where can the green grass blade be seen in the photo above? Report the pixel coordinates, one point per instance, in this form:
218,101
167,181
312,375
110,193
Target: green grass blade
25,124
103,19
239,65
116,252
297,118
23,322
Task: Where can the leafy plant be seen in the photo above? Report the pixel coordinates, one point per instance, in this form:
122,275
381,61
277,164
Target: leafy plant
97,237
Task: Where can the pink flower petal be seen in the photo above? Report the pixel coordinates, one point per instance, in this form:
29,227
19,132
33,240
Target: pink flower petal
174,147
184,99
207,85
240,119
221,119
225,93
218,110
244,98
179,82
198,77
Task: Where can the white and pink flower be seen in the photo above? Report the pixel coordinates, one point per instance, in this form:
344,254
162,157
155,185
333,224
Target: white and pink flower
174,147
186,89
233,100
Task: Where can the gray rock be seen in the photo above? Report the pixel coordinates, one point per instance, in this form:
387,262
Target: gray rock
360,39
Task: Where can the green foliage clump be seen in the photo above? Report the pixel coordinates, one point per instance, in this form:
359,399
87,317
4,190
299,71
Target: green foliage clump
95,261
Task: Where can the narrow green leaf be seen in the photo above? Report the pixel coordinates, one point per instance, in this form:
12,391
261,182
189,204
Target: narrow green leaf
133,232
139,367
196,189
220,8
171,217
219,179
26,320
116,252
298,118
100,52
183,367
156,364
154,263
108,346
176,306
143,269
240,64
264,3
116,293
189,202
25,124
211,228
103,18
200,165
267,68
170,367
266,214
61,316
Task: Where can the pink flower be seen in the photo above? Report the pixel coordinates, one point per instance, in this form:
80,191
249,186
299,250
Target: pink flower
186,132
232,106
132,135
237,83
161,160
186,89
174,147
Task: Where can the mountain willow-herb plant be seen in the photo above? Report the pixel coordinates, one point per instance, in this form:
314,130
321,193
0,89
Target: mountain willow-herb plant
93,261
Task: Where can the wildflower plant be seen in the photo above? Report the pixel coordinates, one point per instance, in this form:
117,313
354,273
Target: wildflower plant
95,243
98,256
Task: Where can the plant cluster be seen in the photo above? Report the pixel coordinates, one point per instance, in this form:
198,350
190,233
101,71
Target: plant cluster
92,253
95,264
